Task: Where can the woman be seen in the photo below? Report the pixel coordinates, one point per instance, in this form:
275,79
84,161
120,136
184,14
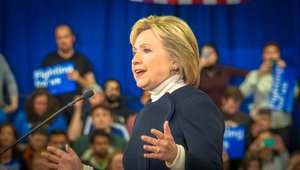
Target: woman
11,159
180,128
39,106
214,78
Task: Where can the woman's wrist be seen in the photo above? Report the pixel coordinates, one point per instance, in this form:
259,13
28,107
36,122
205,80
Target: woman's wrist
179,162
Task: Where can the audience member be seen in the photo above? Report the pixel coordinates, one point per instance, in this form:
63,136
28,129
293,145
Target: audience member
271,150
100,151
81,117
230,107
8,82
213,77
262,122
39,106
101,119
252,161
260,82
83,72
115,161
37,143
233,117
11,159
58,138
116,103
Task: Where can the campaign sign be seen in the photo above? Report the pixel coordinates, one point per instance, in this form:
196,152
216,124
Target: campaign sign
54,78
282,93
234,142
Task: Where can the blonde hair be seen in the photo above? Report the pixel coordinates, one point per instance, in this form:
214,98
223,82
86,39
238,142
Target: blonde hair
178,39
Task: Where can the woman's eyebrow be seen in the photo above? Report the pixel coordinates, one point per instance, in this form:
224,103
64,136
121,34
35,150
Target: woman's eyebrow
140,46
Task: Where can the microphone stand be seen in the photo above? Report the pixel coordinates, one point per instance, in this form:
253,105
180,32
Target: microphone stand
41,124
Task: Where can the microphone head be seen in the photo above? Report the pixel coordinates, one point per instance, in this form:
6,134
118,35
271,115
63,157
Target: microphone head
87,94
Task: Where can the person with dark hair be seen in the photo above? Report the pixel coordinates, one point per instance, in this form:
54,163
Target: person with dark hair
101,120
83,73
271,151
58,138
38,107
11,159
112,91
99,153
251,161
81,118
234,118
37,142
213,77
261,84
230,108
262,122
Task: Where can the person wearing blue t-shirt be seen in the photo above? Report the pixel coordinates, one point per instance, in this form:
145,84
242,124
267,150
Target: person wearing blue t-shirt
38,107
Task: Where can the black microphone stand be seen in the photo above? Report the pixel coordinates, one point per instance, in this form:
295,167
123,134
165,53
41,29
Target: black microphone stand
41,124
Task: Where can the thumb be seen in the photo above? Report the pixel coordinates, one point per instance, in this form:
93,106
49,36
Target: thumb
167,130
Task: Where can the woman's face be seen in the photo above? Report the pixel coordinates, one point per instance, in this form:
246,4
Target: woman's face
209,55
40,104
151,64
6,136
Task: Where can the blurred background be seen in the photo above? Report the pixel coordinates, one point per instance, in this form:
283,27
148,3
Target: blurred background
102,29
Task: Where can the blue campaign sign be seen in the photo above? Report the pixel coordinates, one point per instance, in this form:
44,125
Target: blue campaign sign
54,78
234,142
282,93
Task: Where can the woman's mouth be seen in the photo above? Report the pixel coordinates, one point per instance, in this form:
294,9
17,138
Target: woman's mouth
139,73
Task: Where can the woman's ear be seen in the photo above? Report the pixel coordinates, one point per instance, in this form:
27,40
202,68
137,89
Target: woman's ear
174,65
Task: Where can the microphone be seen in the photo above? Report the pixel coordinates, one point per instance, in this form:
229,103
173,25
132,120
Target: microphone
84,96
87,94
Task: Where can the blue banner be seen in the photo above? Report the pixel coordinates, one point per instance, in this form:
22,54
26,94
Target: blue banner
234,142
282,93
55,79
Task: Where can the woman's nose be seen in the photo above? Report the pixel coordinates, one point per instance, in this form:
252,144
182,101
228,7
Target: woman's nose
136,59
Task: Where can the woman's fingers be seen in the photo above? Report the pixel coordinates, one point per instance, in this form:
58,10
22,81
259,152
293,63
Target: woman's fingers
157,133
152,156
153,149
162,147
167,130
148,139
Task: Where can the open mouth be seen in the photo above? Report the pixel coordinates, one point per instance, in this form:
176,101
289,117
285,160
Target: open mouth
139,72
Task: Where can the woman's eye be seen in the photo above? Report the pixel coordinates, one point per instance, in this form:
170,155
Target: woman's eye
147,50
134,53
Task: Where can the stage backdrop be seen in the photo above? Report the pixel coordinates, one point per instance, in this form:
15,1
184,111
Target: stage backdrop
102,30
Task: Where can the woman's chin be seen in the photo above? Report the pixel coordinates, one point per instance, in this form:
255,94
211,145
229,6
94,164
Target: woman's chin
141,85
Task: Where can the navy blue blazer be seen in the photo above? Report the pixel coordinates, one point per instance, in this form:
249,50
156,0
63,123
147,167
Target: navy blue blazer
195,122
